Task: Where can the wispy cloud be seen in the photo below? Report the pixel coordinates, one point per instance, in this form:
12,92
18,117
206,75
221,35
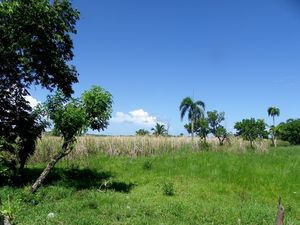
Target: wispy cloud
32,101
288,81
138,116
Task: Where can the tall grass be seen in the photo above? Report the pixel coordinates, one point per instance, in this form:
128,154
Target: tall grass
134,146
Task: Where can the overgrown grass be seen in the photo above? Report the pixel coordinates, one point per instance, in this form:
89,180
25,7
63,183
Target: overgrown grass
207,187
135,146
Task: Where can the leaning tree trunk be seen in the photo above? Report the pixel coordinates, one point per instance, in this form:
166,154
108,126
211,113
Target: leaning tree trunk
66,149
280,214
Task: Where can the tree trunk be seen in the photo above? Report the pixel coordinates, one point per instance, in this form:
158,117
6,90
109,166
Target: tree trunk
280,214
46,171
20,173
66,149
221,141
6,221
192,130
273,141
273,135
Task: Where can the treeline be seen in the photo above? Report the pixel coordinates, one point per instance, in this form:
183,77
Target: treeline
202,124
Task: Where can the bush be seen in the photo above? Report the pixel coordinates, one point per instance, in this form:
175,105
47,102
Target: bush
7,160
205,146
18,144
168,188
290,131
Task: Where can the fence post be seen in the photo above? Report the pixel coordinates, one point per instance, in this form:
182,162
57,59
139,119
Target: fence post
280,213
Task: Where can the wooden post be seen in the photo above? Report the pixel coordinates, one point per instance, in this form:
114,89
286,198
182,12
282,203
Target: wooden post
4,220
280,213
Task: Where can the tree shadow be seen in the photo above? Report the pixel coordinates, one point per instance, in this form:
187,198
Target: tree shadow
76,178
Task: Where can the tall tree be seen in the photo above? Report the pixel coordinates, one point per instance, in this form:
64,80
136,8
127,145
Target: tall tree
195,110
72,117
35,49
273,111
215,119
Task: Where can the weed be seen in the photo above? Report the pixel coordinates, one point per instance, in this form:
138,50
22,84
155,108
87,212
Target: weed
92,205
147,165
6,211
168,188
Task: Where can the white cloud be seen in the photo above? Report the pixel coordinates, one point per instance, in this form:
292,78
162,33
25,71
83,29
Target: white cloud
138,116
32,101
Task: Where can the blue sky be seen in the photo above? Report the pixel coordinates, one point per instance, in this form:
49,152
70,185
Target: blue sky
237,56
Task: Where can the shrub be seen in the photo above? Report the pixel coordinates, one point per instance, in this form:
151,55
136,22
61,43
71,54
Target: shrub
205,146
7,160
142,132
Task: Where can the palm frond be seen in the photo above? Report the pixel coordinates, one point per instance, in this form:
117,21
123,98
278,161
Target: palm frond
194,109
273,111
201,104
186,102
183,111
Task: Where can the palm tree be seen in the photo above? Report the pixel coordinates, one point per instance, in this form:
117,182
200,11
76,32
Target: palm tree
159,130
273,111
195,110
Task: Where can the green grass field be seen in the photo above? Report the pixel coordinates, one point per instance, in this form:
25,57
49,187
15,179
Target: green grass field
179,188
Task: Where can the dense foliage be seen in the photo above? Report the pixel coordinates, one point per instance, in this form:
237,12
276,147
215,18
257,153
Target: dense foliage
35,49
289,131
35,44
201,128
72,117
